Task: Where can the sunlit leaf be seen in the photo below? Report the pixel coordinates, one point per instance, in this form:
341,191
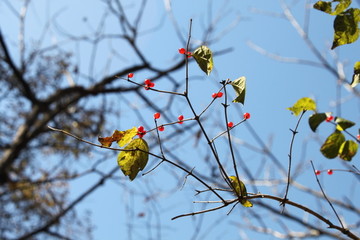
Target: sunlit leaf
240,189
343,124
342,6
331,146
239,86
124,137
346,27
316,119
326,6
303,104
204,58
348,150
121,137
131,162
323,6
356,76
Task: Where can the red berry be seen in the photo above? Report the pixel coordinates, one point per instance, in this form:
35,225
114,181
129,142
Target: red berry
161,128
329,118
246,115
141,131
141,134
130,75
157,115
219,94
358,137
148,84
330,171
230,124
182,50
188,54
214,95
181,118
317,172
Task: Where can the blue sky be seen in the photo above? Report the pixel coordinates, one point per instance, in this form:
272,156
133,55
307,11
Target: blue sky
272,86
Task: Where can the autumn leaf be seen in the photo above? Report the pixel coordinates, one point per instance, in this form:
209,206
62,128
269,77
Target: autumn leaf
239,86
131,162
356,76
240,189
303,104
121,137
203,57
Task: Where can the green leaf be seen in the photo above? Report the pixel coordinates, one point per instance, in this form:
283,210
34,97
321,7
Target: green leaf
204,58
131,162
316,119
348,150
342,6
356,76
327,6
303,104
346,27
240,189
239,86
323,6
343,124
331,146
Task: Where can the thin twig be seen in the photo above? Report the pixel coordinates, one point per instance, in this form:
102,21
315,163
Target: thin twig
290,157
199,212
83,140
238,193
332,207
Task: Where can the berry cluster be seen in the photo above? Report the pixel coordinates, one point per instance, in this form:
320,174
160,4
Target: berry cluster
181,118
141,131
148,84
330,172
183,51
217,95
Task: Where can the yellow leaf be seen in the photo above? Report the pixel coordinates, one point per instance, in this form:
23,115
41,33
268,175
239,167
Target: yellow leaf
240,189
121,137
125,136
203,57
131,162
303,104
